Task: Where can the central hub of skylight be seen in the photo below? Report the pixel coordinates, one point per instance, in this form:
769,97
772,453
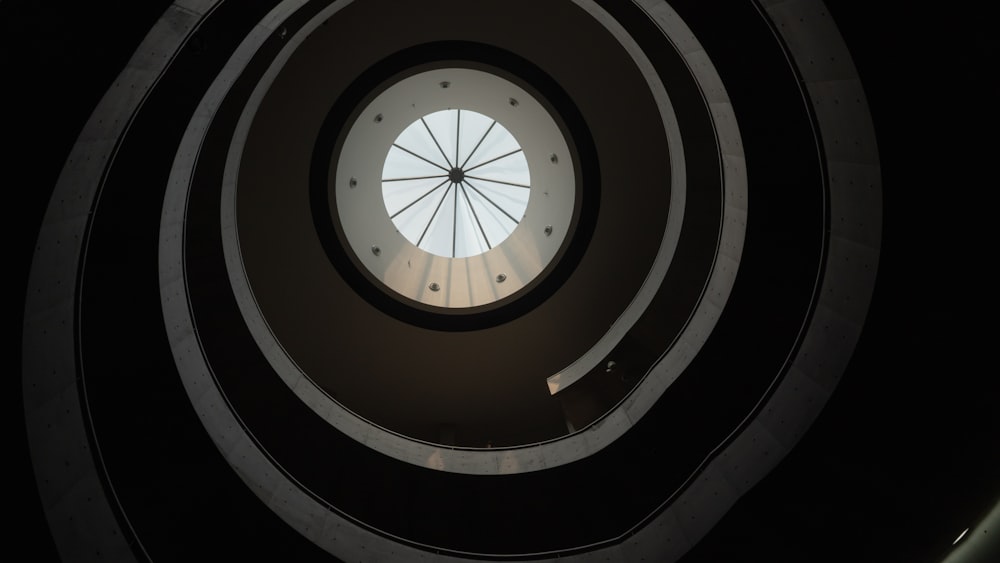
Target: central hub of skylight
456,183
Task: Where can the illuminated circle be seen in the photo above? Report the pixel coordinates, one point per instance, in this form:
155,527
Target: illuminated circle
455,189
456,183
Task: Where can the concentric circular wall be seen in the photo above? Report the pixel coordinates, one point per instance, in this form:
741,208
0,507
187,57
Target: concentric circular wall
668,311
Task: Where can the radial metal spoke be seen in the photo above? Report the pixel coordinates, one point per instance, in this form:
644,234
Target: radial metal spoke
412,203
475,148
500,182
420,157
436,209
414,178
433,138
493,160
476,216
484,196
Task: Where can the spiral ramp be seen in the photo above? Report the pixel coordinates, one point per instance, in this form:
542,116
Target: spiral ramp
204,342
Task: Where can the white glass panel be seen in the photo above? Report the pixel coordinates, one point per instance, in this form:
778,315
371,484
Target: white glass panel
512,169
417,139
443,124
498,143
474,128
400,164
399,195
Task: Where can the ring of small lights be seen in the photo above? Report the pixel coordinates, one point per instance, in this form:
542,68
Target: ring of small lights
424,309
423,278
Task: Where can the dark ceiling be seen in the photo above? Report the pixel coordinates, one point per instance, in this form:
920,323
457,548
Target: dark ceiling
904,456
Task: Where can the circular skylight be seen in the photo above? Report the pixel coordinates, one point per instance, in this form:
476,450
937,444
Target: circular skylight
456,183
433,193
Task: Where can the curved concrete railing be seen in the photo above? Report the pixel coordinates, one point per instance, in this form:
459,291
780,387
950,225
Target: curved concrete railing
83,512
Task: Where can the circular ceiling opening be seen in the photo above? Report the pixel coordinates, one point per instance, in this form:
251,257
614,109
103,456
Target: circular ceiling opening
456,183
455,189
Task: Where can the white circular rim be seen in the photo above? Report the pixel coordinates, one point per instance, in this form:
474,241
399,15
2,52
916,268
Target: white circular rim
425,277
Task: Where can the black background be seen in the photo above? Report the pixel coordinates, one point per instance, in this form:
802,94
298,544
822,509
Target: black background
905,455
